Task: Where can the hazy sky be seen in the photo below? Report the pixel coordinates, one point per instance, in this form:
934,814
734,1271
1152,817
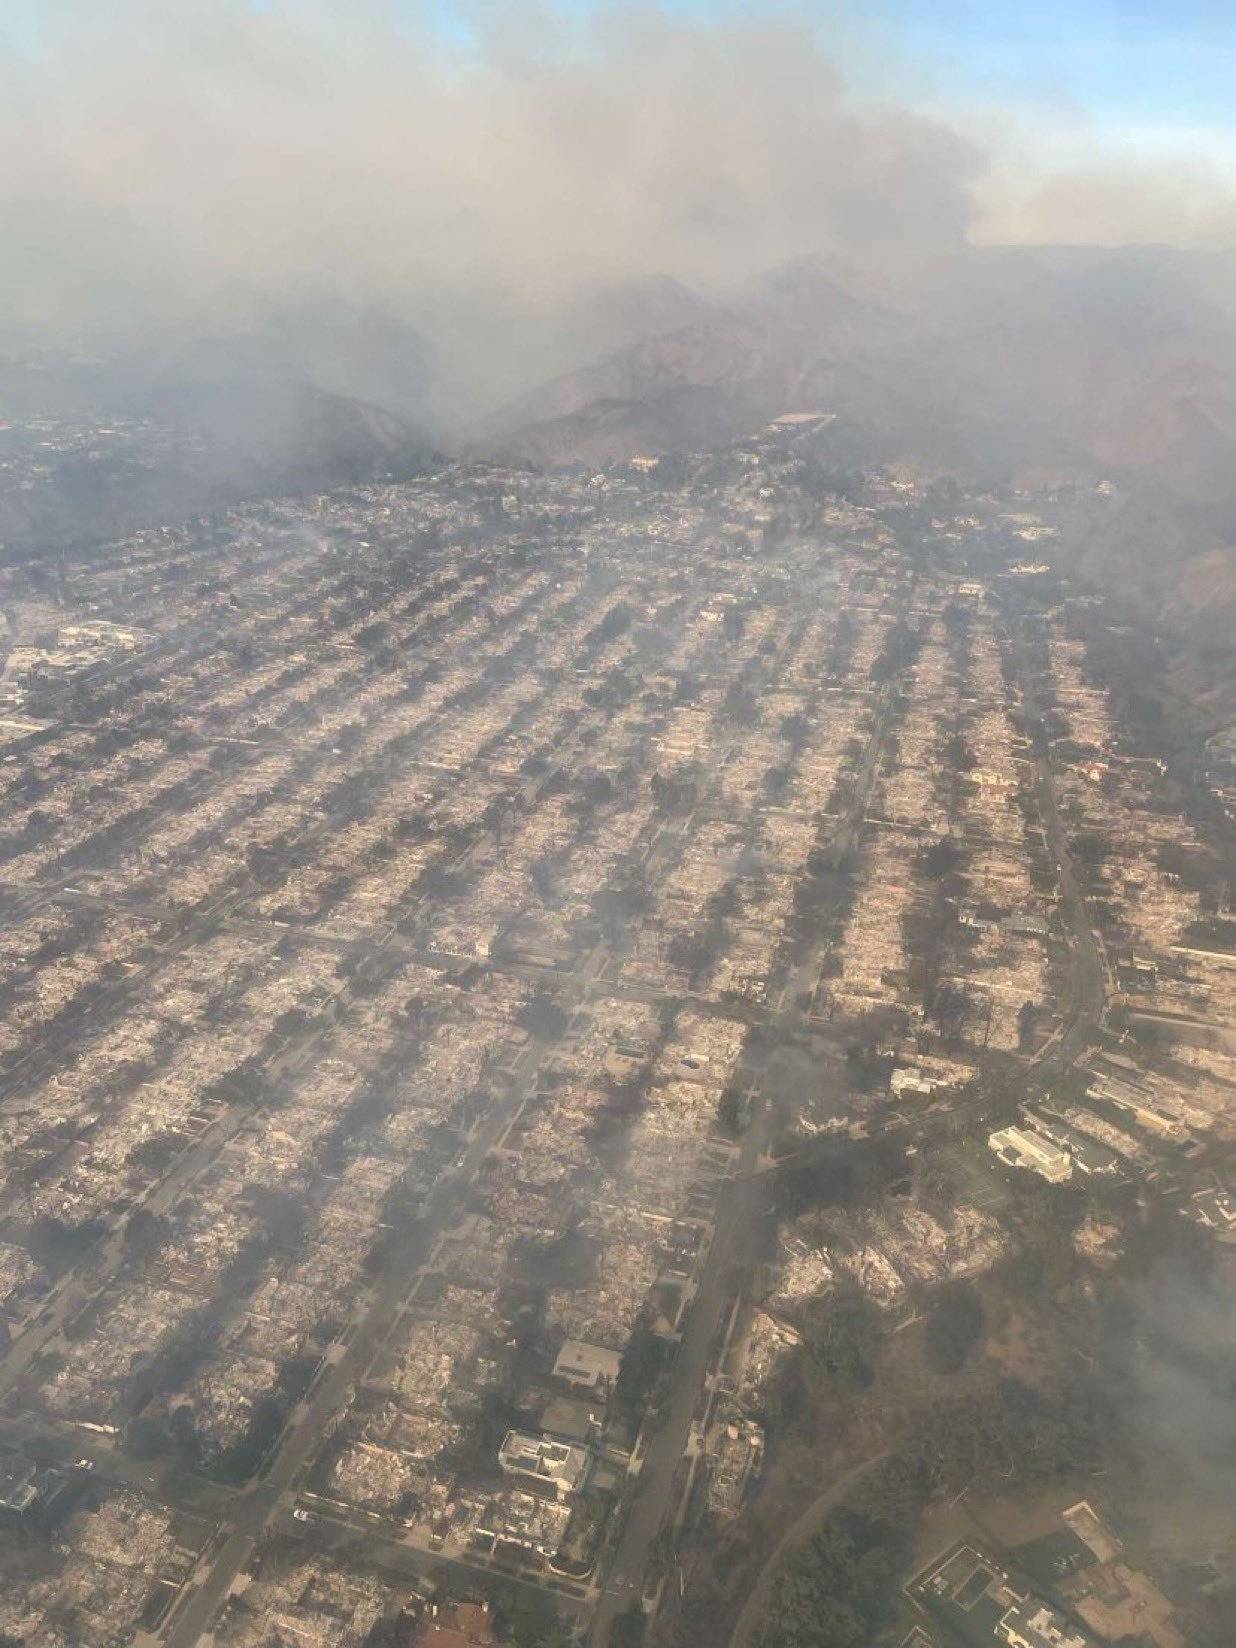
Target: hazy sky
166,159
1130,66
1127,62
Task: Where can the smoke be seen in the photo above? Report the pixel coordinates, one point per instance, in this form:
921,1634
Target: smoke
199,163
1178,1398
1063,183
177,169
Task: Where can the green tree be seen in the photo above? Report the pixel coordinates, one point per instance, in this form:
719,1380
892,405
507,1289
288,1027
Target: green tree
842,1336
530,1619
954,1326
629,1629
944,857
543,1018
731,1112
1027,1023
838,1590
641,1364
145,1232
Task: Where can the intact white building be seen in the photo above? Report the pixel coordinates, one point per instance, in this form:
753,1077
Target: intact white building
589,1367
1033,1624
1019,1148
558,1466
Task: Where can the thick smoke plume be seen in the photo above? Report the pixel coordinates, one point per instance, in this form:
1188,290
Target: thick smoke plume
197,164
182,170
185,148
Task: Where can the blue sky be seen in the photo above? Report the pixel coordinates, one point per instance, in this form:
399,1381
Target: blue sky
1125,62
1129,65
152,122
1133,67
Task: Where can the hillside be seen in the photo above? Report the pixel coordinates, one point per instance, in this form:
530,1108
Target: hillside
994,362
1003,366
92,447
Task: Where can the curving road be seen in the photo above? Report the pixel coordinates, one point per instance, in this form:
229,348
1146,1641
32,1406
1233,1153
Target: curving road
799,1530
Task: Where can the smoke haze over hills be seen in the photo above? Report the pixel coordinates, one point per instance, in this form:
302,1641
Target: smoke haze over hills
588,234
205,167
